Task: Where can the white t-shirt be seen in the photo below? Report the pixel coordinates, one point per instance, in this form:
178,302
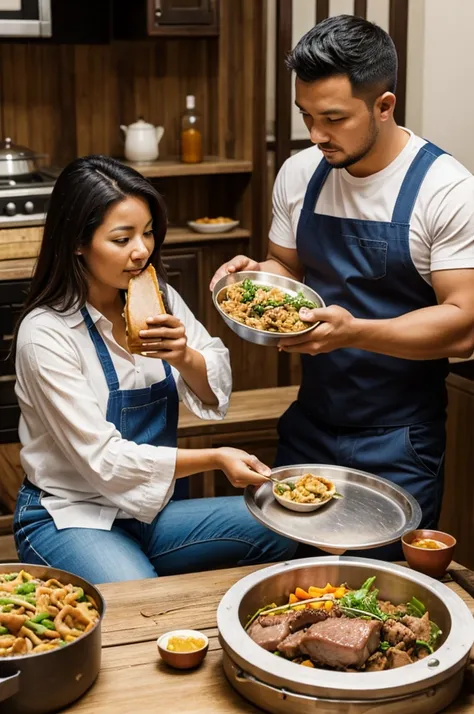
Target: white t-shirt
442,221
70,450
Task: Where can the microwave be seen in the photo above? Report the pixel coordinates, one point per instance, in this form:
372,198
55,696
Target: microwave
25,18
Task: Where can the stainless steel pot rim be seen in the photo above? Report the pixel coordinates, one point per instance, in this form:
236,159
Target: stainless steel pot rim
264,279
410,523
240,647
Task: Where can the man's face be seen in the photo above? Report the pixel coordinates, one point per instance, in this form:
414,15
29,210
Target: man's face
342,126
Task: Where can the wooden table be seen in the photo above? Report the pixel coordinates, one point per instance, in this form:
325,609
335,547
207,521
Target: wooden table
134,679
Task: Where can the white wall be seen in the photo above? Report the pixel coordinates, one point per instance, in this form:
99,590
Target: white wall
440,95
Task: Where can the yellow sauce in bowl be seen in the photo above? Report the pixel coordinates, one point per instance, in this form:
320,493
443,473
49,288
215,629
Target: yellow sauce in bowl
184,644
428,544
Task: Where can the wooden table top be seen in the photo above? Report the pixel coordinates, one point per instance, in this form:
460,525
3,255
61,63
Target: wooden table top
133,678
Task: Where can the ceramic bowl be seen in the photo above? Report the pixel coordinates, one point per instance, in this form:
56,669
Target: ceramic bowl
271,280
427,561
213,227
182,660
302,507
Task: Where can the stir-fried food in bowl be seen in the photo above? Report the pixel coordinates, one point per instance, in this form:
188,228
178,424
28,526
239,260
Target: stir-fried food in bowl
337,627
307,489
41,615
264,308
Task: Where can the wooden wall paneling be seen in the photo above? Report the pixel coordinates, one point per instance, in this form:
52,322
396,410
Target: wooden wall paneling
11,474
360,8
398,25
283,83
37,98
259,220
96,100
322,10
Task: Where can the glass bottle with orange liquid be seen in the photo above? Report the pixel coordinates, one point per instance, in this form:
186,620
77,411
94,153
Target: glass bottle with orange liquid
191,137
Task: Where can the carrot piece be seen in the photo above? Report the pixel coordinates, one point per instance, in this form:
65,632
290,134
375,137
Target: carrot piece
292,599
339,592
328,605
329,588
307,663
302,594
316,592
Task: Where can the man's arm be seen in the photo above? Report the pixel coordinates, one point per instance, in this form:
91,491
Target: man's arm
443,330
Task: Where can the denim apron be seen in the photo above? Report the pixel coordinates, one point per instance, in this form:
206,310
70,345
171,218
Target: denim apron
145,416
366,267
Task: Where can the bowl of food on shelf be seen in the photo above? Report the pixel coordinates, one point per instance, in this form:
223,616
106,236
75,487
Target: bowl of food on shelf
306,493
183,649
221,224
263,307
428,551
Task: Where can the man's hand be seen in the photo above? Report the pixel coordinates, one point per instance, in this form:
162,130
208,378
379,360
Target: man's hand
334,328
240,262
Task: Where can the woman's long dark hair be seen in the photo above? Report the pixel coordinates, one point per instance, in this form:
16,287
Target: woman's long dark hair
84,192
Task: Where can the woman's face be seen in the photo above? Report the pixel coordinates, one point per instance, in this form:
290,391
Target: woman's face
121,246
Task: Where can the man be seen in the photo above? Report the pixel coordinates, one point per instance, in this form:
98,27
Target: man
381,224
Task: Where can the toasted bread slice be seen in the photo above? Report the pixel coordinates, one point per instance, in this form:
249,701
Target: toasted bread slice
144,299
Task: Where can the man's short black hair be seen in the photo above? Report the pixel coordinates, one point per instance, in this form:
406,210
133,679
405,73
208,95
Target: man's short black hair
347,45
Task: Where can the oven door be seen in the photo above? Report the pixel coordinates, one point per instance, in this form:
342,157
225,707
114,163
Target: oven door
25,18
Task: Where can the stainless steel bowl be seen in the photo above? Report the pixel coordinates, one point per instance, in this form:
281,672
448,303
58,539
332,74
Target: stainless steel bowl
280,686
251,334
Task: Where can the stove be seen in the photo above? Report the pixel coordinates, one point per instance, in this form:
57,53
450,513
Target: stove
24,199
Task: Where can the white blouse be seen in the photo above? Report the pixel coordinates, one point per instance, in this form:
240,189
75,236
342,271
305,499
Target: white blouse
70,450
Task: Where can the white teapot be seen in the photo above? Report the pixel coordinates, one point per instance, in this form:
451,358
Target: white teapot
141,140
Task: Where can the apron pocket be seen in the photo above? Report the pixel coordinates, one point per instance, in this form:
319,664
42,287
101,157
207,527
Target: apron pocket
426,443
145,420
366,258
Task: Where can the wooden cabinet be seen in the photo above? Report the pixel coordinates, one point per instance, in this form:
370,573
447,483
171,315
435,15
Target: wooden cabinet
166,18
457,517
183,269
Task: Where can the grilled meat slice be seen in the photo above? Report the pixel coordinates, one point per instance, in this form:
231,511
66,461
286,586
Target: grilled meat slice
290,647
342,642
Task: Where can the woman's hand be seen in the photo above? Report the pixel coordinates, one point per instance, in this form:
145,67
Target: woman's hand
165,339
242,469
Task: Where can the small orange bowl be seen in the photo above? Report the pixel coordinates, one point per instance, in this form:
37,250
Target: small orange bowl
429,561
182,660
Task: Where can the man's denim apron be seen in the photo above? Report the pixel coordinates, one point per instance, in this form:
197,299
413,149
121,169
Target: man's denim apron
357,408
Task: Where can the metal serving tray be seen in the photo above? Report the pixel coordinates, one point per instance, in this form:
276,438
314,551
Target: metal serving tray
373,512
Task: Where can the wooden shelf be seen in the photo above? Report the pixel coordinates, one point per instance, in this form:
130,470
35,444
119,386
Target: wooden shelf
176,236
173,167
21,268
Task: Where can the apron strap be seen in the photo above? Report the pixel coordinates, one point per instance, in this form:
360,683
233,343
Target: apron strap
102,352
315,185
411,185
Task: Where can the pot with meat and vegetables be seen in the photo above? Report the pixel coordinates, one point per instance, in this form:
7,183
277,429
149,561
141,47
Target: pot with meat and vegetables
338,634
50,638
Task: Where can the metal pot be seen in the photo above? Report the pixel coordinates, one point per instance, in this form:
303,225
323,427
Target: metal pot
251,334
47,682
17,160
280,686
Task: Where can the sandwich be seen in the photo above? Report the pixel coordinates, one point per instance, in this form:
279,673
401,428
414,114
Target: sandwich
144,299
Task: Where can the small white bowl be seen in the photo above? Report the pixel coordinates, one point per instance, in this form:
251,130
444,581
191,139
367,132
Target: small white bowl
301,507
213,227
182,660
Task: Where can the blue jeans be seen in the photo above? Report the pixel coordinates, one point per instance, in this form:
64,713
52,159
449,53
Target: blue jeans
187,536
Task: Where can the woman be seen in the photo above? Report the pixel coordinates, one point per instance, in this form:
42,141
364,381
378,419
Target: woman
98,424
